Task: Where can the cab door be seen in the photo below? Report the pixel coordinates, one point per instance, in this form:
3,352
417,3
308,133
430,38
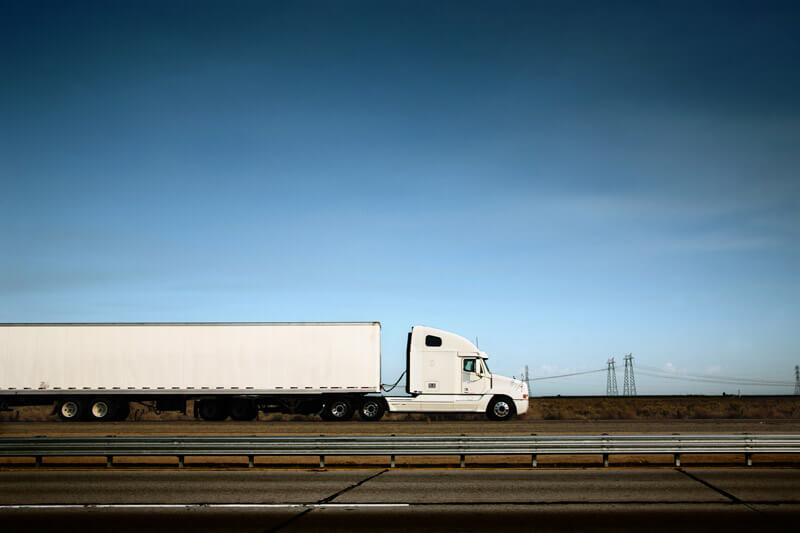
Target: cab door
474,379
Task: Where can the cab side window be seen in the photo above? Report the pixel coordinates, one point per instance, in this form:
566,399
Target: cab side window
469,365
433,341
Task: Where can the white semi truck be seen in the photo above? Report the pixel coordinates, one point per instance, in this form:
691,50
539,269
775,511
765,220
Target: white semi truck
236,369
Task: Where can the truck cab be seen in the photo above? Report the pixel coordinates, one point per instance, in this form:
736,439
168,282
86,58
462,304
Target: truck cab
446,373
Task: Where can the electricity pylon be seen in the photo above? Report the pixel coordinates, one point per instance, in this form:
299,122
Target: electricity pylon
611,379
629,385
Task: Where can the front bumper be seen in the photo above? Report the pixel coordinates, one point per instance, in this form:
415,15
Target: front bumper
522,406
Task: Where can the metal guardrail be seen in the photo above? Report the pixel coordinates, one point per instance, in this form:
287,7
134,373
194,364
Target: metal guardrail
393,446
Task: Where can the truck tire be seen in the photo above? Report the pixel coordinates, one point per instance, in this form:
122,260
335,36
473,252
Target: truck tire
243,410
71,409
338,410
372,409
102,410
213,410
500,408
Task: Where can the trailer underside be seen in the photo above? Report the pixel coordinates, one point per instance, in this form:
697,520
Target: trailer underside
101,406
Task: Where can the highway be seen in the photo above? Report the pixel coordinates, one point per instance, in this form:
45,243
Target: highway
658,499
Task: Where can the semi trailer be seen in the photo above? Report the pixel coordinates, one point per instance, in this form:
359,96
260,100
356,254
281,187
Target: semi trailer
95,371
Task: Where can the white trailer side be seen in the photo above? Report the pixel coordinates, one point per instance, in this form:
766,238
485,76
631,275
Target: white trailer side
234,358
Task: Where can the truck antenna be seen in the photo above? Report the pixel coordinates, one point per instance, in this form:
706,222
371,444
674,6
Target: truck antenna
478,346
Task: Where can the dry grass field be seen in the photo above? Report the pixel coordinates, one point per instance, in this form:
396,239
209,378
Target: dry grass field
665,408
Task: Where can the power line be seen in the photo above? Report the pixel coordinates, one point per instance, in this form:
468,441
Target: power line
712,380
683,377
568,375
717,377
706,380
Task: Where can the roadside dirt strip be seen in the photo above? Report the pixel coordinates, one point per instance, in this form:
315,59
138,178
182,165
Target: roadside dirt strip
389,427
682,499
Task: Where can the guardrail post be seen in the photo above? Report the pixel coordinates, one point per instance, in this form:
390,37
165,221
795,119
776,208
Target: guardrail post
677,458
748,456
463,461
534,461
391,461
180,461
605,449
250,461
109,461
38,461
322,461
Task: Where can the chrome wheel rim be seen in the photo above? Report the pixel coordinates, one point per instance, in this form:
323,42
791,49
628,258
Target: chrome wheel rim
99,409
69,409
370,409
338,409
501,409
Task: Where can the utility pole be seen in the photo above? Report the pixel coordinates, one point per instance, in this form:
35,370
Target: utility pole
611,379
629,385
797,380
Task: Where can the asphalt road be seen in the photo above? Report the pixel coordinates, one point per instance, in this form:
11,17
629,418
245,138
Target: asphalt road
665,499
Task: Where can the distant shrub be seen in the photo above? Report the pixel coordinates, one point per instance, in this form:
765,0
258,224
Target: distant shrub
700,412
553,414
735,410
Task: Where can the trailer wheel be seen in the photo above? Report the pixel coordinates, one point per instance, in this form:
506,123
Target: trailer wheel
242,409
101,410
338,410
500,408
70,409
372,409
213,410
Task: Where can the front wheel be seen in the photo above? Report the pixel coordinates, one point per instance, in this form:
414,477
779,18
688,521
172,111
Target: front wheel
372,409
501,408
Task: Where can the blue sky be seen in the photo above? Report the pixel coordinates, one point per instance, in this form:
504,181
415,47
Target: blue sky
565,181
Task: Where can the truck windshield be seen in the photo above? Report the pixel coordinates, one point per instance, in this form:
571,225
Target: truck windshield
486,366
